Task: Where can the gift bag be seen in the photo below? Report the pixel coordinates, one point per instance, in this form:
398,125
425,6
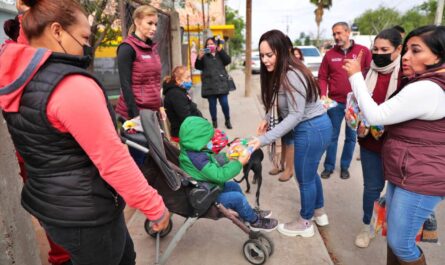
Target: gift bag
378,220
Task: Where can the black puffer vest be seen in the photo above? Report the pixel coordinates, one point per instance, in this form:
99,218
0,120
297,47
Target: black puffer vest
64,187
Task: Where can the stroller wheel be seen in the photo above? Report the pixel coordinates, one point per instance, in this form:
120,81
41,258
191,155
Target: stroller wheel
255,251
163,233
265,241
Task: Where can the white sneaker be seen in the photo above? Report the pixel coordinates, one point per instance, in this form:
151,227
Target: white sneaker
321,220
305,231
364,237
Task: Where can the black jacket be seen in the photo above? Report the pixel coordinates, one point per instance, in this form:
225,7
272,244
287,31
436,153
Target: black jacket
178,106
64,186
214,75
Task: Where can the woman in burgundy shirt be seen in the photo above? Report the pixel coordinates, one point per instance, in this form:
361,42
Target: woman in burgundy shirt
382,80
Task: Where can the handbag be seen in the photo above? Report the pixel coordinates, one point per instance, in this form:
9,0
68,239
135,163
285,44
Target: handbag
231,83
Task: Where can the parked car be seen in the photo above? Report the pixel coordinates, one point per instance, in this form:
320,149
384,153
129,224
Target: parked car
312,58
256,63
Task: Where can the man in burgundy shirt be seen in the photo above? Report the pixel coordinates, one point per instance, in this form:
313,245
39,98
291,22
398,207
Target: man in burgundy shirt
334,84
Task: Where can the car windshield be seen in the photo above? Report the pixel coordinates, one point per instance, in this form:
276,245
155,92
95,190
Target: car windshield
310,52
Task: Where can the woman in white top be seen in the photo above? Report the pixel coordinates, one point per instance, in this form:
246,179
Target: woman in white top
414,150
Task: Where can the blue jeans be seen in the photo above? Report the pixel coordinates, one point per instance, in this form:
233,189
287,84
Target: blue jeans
224,101
373,181
337,115
97,245
311,138
232,197
288,138
406,213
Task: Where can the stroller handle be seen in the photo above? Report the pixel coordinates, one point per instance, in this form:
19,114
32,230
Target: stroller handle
135,145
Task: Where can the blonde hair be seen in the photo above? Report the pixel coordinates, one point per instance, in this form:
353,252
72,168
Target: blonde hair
140,13
177,73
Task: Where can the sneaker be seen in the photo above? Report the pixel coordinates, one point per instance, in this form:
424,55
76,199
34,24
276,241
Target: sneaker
364,237
303,228
344,174
264,224
263,213
215,124
321,219
325,174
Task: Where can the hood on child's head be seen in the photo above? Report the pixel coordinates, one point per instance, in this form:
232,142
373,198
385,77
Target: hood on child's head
195,133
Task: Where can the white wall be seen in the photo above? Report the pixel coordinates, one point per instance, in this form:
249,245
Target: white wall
7,11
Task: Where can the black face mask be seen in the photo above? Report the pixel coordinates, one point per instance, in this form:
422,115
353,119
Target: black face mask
382,60
87,52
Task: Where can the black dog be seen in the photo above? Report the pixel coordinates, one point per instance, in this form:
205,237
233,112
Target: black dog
255,165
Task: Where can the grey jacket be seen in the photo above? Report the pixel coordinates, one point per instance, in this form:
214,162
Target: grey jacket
213,75
292,108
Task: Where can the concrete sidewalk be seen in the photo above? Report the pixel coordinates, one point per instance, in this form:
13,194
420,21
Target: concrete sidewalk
221,242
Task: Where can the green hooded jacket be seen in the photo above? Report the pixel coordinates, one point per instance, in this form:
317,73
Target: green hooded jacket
199,162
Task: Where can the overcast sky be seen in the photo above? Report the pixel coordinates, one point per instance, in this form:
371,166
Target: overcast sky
298,15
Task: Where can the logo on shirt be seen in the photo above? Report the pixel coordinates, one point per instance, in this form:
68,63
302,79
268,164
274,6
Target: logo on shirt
336,59
145,57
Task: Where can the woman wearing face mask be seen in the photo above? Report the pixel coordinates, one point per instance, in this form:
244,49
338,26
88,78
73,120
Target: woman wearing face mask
79,172
413,153
140,69
382,81
288,86
177,100
212,61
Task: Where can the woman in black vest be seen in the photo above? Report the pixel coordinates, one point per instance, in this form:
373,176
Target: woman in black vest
80,175
212,61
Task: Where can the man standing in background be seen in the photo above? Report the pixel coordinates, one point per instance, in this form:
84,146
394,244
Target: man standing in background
334,84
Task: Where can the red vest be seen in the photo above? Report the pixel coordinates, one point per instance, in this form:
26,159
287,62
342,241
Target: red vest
146,77
413,155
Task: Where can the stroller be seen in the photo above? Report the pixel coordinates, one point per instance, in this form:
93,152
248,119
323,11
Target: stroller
184,196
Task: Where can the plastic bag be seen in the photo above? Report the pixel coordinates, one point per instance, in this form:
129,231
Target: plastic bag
356,120
329,103
352,111
239,147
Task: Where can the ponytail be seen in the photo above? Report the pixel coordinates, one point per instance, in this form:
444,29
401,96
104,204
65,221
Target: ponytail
140,13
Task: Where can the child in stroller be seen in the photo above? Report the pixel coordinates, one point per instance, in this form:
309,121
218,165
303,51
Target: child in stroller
205,166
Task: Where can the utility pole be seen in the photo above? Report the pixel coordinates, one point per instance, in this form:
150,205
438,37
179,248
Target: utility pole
248,67
439,12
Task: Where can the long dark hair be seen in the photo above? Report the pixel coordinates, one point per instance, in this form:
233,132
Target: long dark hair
434,37
285,61
41,13
391,35
12,28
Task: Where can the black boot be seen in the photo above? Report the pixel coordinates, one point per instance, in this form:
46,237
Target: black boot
215,123
420,261
391,258
228,124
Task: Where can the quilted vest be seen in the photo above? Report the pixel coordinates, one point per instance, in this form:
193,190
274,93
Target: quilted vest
146,77
64,187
